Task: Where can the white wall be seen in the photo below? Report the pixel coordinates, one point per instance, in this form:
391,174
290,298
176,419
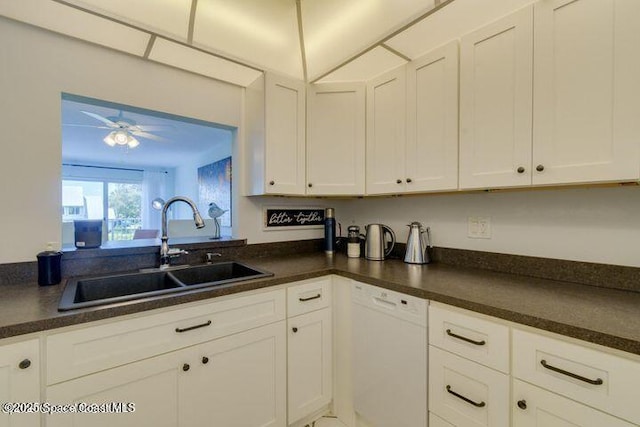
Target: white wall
594,225
36,66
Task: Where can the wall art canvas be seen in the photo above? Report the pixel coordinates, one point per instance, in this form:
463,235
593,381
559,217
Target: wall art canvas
214,185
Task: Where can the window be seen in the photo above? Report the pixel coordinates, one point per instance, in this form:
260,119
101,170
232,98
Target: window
122,201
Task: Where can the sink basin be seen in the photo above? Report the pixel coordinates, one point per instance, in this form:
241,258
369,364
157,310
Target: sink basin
89,292
217,274
93,291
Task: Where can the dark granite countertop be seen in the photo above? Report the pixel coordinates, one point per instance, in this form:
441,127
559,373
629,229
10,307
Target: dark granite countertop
603,316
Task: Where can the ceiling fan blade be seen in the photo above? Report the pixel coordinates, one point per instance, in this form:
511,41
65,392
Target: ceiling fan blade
85,126
154,128
102,119
148,135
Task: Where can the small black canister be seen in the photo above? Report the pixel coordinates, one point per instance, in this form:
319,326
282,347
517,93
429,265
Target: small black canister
49,268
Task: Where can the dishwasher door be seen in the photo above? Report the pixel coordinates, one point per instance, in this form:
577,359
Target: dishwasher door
389,357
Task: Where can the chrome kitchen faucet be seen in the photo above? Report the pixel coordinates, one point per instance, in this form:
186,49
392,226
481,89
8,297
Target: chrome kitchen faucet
164,247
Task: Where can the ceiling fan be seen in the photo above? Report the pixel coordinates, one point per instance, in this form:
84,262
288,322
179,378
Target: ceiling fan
124,131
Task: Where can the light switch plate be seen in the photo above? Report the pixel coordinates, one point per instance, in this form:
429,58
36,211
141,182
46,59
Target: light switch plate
479,227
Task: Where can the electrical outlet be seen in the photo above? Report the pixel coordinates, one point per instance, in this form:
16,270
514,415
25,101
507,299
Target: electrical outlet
479,227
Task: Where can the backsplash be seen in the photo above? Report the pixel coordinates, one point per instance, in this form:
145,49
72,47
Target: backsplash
96,262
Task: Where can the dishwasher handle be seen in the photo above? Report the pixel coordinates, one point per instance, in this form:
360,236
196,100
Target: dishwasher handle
384,303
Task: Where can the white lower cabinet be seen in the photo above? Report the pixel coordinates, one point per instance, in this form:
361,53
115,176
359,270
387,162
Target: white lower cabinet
236,381
155,386
309,347
20,380
465,393
596,378
536,407
310,363
436,421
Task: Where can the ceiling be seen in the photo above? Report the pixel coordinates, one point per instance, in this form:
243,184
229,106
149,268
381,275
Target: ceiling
182,139
236,40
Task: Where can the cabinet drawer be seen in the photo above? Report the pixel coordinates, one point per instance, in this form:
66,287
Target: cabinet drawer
466,335
535,407
595,378
436,421
467,394
309,296
83,351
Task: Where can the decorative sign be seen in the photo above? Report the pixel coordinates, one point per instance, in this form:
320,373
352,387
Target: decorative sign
283,218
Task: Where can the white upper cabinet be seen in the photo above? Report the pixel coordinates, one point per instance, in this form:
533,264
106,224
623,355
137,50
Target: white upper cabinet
432,121
386,130
586,91
285,135
496,103
336,139
275,116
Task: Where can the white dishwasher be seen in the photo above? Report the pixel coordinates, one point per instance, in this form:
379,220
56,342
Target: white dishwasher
389,357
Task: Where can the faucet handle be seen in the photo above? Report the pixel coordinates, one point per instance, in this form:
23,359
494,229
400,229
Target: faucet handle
176,252
210,256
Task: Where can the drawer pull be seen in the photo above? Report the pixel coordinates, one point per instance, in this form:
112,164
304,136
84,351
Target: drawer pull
310,298
597,381
24,364
191,328
469,340
466,399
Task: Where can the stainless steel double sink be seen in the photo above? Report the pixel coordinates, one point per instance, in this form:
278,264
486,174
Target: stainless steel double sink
93,291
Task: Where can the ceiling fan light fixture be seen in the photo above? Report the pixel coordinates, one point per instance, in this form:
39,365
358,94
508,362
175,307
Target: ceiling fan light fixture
133,143
110,140
121,137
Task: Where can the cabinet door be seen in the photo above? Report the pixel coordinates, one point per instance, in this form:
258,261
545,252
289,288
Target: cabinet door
285,135
496,103
310,363
155,386
239,381
336,139
467,394
432,121
386,129
587,91
20,381
535,407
